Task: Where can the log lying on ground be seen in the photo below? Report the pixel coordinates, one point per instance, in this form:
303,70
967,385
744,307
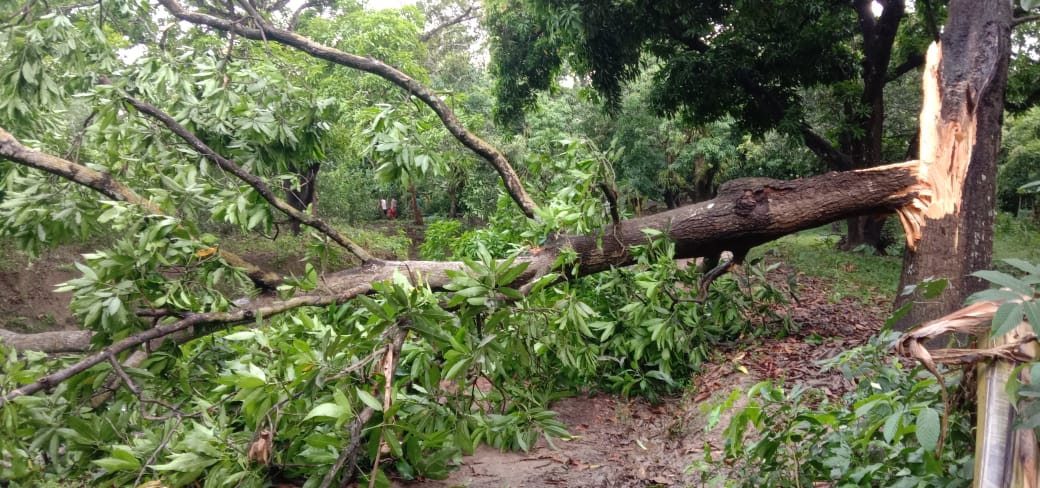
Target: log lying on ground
49,342
747,212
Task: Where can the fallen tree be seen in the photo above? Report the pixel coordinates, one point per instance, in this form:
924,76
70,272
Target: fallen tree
440,321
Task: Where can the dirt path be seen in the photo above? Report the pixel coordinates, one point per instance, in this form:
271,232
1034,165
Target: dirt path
630,443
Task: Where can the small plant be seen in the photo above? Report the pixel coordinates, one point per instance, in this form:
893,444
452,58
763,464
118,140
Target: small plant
438,240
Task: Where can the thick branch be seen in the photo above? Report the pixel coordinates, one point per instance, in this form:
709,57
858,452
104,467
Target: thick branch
1017,21
370,65
104,184
49,342
252,180
824,150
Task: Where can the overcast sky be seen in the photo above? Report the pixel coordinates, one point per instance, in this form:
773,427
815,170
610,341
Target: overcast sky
379,4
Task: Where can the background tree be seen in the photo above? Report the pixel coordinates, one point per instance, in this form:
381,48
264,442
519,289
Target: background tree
712,59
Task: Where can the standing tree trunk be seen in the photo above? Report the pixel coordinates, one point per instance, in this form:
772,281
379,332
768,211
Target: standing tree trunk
960,138
413,195
866,143
303,194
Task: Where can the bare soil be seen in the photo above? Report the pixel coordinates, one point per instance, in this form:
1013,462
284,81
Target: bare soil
28,302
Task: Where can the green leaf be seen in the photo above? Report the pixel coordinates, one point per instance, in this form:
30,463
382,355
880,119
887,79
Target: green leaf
1022,265
1008,316
244,335
113,464
121,459
1005,280
1029,5
1032,310
185,462
992,295
369,400
928,428
331,410
892,425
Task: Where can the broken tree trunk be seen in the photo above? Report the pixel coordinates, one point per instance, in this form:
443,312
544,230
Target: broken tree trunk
959,141
963,104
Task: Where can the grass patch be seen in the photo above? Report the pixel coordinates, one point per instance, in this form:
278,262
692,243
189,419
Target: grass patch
868,277
855,274
1015,238
288,252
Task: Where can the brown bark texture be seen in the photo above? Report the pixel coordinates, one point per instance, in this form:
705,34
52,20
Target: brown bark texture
959,143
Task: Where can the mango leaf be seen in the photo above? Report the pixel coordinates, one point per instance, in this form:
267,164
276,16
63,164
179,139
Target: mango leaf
369,400
121,459
185,462
330,410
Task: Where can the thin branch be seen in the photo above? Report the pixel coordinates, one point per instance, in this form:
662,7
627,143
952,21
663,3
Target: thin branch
464,16
493,156
141,400
296,15
103,183
1017,21
611,195
258,20
191,320
252,180
78,140
706,280
162,445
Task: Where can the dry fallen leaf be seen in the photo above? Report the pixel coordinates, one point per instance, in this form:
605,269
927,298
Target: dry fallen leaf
260,450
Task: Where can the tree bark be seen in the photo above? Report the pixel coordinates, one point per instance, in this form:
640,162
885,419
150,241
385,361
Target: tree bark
963,106
301,195
413,200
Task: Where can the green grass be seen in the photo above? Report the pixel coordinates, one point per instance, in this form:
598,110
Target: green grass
286,250
1015,238
868,277
855,274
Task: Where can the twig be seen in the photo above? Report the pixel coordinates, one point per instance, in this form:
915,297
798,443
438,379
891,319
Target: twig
155,453
252,180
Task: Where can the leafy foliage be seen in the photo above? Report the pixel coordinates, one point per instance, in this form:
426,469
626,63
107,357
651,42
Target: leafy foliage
884,433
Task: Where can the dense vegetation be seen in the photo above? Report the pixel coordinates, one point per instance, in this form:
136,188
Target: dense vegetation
174,146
